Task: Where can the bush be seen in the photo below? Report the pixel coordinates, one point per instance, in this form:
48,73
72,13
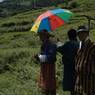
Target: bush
12,58
10,24
73,4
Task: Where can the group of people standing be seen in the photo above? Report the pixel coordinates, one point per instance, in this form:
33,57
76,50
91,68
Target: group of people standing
78,58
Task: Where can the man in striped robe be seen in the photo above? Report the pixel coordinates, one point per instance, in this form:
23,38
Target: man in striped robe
85,65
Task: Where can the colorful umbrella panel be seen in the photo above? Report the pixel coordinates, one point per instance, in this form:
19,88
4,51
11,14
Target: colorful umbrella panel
51,20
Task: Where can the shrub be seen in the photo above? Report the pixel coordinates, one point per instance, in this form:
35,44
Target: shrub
73,4
9,59
8,24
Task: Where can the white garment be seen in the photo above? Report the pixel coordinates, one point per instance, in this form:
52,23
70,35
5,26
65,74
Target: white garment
43,58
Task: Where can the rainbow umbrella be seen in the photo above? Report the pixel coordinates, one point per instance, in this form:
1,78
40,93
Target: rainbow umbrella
52,19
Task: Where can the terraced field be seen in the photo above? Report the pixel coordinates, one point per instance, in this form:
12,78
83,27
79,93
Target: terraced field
18,70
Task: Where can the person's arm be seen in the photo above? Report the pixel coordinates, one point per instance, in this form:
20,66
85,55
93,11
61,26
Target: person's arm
61,49
41,58
36,57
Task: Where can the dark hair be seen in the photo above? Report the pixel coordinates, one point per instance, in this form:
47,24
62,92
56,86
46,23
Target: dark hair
45,31
72,34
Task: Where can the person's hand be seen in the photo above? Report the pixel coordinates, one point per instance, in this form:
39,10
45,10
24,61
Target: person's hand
58,40
36,57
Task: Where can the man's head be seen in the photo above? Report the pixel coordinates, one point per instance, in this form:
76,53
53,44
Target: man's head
83,33
72,34
44,35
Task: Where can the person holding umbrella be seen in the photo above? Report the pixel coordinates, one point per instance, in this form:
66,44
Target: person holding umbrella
45,23
85,64
47,58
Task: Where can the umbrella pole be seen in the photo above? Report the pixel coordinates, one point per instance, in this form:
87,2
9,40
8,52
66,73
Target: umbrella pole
89,24
89,18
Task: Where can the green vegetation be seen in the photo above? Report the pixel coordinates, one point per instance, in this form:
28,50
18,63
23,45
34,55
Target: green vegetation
13,7
19,72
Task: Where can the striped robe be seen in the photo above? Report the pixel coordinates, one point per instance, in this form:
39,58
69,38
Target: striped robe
85,70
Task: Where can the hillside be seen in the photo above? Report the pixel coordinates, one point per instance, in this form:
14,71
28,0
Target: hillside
22,22
12,7
19,71
87,4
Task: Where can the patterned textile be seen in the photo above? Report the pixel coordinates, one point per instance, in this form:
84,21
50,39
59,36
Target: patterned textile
85,68
47,79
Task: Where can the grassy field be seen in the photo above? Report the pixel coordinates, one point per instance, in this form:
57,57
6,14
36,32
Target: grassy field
18,70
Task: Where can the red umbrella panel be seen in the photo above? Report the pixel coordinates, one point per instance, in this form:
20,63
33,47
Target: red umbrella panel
51,20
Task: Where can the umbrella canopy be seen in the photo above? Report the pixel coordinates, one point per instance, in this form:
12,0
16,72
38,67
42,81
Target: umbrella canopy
51,20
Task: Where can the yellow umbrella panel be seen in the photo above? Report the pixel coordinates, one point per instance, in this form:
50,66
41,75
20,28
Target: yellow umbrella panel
35,27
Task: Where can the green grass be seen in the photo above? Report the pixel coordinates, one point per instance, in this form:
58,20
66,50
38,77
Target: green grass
19,73
18,70
87,4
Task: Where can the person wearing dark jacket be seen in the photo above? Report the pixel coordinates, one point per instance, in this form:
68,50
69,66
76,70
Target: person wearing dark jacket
69,51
